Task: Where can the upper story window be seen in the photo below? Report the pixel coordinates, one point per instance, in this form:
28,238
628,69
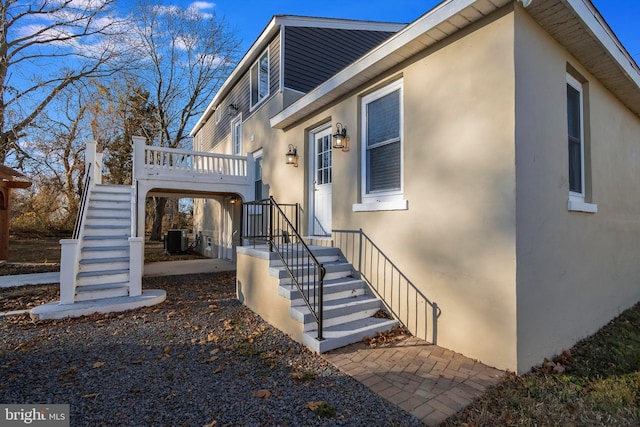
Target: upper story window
218,114
236,135
260,79
577,145
382,150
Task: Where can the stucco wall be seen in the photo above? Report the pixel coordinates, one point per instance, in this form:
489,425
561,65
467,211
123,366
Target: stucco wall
456,240
576,270
256,289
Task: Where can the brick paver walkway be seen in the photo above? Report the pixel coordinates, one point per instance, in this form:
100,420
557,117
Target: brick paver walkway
428,381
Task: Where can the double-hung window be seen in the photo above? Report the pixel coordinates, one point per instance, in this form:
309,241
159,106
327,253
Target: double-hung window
258,188
576,145
260,79
382,149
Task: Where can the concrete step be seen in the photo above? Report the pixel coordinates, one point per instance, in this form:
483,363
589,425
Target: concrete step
333,271
99,252
106,290
322,254
88,278
343,334
102,264
344,287
338,311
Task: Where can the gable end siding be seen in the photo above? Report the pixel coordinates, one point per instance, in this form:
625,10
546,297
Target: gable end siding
239,96
312,55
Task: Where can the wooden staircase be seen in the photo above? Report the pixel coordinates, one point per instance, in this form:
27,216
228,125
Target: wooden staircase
103,270
349,305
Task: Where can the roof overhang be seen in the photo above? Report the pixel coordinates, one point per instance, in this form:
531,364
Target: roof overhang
261,43
589,39
579,27
8,178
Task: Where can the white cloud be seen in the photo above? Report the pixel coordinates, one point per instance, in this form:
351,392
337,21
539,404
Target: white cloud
199,8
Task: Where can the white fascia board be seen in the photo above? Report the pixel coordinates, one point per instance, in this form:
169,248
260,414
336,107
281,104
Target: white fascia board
337,23
430,20
598,27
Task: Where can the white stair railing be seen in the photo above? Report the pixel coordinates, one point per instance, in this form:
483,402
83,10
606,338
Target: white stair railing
71,248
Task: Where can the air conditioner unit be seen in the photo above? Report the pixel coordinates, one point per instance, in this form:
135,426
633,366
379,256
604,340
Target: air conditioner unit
177,241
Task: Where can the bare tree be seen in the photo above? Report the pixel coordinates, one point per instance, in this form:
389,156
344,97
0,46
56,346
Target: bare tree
45,46
119,111
186,54
56,146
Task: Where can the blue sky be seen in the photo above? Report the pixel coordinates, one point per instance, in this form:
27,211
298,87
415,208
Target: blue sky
249,17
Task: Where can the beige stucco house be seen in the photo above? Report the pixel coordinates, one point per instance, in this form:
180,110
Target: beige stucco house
493,155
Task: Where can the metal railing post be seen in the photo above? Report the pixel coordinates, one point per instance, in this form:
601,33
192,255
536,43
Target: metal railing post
360,252
270,225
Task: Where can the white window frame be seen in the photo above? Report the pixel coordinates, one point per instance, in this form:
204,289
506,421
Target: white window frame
576,200
255,102
381,200
258,154
237,120
218,114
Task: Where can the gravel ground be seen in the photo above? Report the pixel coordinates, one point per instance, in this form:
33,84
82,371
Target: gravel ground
200,358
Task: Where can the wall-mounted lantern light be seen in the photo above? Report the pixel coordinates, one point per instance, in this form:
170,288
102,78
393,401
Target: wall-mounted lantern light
340,138
232,110
292,156
234,199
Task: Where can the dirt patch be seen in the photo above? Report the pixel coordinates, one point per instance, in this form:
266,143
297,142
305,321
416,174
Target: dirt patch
27,297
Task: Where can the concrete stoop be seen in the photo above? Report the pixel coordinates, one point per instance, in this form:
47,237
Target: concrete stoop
55,310
349,305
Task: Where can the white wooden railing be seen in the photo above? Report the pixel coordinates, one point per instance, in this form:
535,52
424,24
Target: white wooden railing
165,162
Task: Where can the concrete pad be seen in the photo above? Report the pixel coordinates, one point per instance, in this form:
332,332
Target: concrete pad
55,310
191,266
29,279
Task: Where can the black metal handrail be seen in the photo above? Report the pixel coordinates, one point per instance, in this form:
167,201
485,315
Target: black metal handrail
83,202
255,219
390,284
266,221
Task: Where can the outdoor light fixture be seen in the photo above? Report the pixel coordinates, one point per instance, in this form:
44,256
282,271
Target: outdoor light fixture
340,138
292,156
232,109
234,199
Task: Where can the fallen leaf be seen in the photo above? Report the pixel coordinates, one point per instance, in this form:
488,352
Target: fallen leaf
90,395
98,365
263,394
218,370
212,337
167,350
314,405
213,423
297,375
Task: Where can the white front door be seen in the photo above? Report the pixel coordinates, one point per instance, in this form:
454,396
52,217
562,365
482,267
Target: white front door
320,212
